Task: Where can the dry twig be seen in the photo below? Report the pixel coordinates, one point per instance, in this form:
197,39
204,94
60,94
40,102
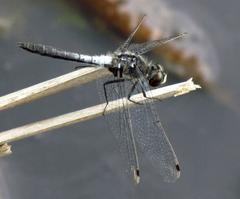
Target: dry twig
85,114
51,86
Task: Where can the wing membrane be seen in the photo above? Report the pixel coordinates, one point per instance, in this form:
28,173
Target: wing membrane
126,44
152,139
144,124
145,47
120,124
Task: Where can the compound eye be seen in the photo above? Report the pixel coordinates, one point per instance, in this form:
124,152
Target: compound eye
155,81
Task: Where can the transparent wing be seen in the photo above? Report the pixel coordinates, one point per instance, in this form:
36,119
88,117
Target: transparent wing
126,44
145,47
151,137
120,124
142,122
153,142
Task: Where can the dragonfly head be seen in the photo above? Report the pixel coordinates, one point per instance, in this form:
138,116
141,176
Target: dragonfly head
157,75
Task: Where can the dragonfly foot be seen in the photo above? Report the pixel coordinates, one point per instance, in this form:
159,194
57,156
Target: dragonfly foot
104,110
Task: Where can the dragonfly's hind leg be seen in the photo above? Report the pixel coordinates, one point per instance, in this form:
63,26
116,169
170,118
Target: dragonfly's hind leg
105,90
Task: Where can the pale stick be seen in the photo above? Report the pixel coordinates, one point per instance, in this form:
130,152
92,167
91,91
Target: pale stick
51,86
91,112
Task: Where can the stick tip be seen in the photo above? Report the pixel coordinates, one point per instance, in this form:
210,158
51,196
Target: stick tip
5,149
187,87
192,85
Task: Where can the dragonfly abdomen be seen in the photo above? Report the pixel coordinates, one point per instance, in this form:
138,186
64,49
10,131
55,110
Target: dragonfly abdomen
50,51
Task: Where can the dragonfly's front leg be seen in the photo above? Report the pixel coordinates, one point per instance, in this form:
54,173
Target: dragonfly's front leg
152,98
131,92
143,92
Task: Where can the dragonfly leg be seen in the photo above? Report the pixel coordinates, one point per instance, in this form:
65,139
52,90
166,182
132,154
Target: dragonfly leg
131,92
105,90
145,95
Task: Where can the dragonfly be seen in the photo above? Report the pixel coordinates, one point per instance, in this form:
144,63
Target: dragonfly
136,129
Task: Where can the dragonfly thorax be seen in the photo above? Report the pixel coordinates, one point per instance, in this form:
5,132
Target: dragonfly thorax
135,66
127,65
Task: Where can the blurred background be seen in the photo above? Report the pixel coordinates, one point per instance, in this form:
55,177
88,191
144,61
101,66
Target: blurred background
82,160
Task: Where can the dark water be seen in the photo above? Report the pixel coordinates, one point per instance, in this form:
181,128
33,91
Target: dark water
82,161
